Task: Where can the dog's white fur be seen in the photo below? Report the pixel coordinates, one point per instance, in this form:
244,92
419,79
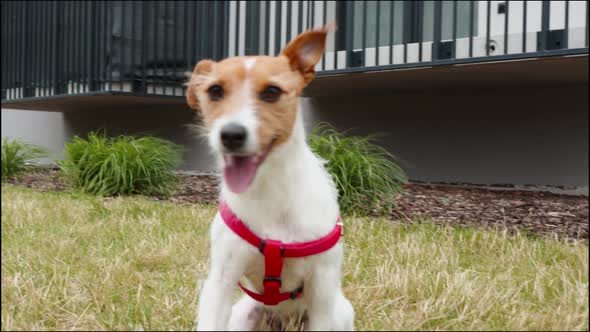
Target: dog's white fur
292,199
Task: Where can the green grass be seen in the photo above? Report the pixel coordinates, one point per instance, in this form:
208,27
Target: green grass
18,155
77,261
121,165
367,177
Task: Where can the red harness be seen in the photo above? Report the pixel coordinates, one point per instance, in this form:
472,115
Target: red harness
274,252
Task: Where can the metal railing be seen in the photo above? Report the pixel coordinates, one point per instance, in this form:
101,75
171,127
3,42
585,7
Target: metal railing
147,47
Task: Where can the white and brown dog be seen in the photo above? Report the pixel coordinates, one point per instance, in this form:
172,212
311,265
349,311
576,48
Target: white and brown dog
278,227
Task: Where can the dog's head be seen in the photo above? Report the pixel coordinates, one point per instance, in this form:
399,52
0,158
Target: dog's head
249,103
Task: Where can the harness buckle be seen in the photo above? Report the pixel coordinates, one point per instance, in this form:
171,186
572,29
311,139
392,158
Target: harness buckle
271,279
263,244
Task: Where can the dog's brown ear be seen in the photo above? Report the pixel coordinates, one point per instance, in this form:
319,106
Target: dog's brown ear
201,69
306,50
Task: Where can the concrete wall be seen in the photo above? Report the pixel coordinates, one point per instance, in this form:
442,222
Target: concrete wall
46,129
518,136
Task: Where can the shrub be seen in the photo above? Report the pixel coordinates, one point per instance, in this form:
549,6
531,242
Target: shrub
367,177
122,165
18,156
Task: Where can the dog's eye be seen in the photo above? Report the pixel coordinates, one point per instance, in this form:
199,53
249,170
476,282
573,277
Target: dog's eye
270,94
215,92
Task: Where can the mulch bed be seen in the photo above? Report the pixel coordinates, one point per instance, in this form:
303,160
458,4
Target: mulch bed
533,211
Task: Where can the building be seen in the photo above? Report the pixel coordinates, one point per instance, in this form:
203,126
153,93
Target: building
482,92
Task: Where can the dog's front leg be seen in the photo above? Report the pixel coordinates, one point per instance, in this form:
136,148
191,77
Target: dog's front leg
327,308
215,303
227,266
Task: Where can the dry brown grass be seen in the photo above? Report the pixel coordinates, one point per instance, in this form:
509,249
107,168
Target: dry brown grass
76,262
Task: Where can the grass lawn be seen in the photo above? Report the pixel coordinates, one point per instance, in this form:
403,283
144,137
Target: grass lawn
73,261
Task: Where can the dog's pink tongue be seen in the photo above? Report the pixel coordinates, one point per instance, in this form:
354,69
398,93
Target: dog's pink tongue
239,172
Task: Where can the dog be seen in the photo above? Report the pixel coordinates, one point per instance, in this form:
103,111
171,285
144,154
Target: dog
277,233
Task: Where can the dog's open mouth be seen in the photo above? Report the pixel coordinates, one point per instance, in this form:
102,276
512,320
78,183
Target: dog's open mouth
239,170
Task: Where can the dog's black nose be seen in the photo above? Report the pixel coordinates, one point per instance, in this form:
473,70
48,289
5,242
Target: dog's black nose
233,136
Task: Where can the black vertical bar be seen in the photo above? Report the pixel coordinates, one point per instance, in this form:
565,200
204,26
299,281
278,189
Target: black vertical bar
567,23
16,50
78,46
122,47
324,17
215,31
204,49
436,29
471,28
108,53
312,4
6,51
254,28
420,29
405,26
33,15
278,26
288,37
100,53
144,18
506,27
58,48
25,72
488,23
28,70
88,29
237,28
93,40
524,31
19,55
349,35
248,42
44,54
39,36
44,46
299,16
5,18
226,29
11,49
391,29
165,64
173,62
267,28
157,45
364,35
544,24
194,37
132,39
378,14
455,23
187,33
4,22
34,64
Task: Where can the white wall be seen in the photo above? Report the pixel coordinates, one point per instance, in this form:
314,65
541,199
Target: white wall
46,129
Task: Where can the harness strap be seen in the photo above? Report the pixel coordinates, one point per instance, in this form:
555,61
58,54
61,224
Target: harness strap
274,252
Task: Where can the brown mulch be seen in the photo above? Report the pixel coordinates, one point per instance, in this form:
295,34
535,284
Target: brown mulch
532,211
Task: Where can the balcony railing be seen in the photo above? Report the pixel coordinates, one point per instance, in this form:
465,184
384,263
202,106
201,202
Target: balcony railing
54,48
